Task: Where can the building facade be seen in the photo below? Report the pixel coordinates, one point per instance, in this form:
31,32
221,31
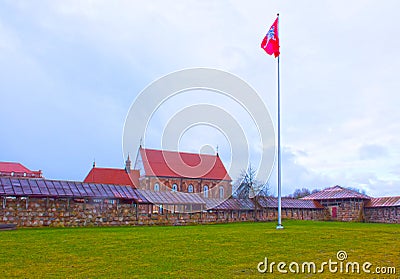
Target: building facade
11,169
161,170
168,188
126,176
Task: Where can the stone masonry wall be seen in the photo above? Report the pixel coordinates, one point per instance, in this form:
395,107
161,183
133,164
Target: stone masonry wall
346,211
350,211
34,212
382,215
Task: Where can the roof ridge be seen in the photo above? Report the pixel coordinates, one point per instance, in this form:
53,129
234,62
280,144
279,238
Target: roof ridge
108,168
386,197
167,163
179,152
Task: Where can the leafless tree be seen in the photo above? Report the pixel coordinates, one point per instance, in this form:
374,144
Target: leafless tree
249,187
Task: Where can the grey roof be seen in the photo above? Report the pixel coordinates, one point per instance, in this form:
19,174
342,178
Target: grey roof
271,202
170,197
66,189
235,204
336,193
30,187
264,202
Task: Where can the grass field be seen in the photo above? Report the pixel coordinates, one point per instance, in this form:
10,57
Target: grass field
209,251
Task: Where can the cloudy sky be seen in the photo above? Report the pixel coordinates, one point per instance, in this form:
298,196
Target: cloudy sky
70,70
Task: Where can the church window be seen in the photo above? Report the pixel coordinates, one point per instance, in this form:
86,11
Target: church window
205,191
221,192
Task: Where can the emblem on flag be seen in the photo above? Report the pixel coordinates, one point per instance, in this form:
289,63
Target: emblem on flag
270,42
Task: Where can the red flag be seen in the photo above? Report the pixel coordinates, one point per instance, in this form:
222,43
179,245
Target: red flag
271,41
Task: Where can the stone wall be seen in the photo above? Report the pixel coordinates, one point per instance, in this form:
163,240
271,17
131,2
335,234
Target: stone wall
37,212
350,211
346,210
382,214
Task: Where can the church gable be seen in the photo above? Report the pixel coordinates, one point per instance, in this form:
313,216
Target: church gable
161,163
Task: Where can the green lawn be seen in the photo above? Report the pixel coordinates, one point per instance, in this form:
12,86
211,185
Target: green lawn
208,251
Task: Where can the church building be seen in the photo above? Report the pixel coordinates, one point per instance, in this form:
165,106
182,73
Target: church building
162,170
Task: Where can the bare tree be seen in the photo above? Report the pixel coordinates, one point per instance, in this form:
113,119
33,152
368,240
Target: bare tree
361,191
301,193
249,187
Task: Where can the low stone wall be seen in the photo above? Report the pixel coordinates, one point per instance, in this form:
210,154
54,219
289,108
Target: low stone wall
382,215
37,212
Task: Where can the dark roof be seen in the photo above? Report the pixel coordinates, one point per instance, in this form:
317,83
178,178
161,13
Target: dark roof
383,202
111,176
66,189
162,163
336,193
169,197
271,202
231,204
264,202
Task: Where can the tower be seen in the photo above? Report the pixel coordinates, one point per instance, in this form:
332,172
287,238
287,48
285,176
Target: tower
128,164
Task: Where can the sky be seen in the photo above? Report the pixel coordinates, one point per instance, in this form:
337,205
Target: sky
70,71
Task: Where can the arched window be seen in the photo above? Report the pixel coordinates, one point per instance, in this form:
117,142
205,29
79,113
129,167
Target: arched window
190,188
156,187
221,192
205,191
174,187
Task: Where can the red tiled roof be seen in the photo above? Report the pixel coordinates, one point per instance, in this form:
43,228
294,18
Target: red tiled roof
183,165
383,202
17,169
336,192
110,176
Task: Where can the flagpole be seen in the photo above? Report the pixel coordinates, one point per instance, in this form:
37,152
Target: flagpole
279,226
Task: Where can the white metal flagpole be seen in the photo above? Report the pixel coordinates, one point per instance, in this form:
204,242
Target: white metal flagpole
279,226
